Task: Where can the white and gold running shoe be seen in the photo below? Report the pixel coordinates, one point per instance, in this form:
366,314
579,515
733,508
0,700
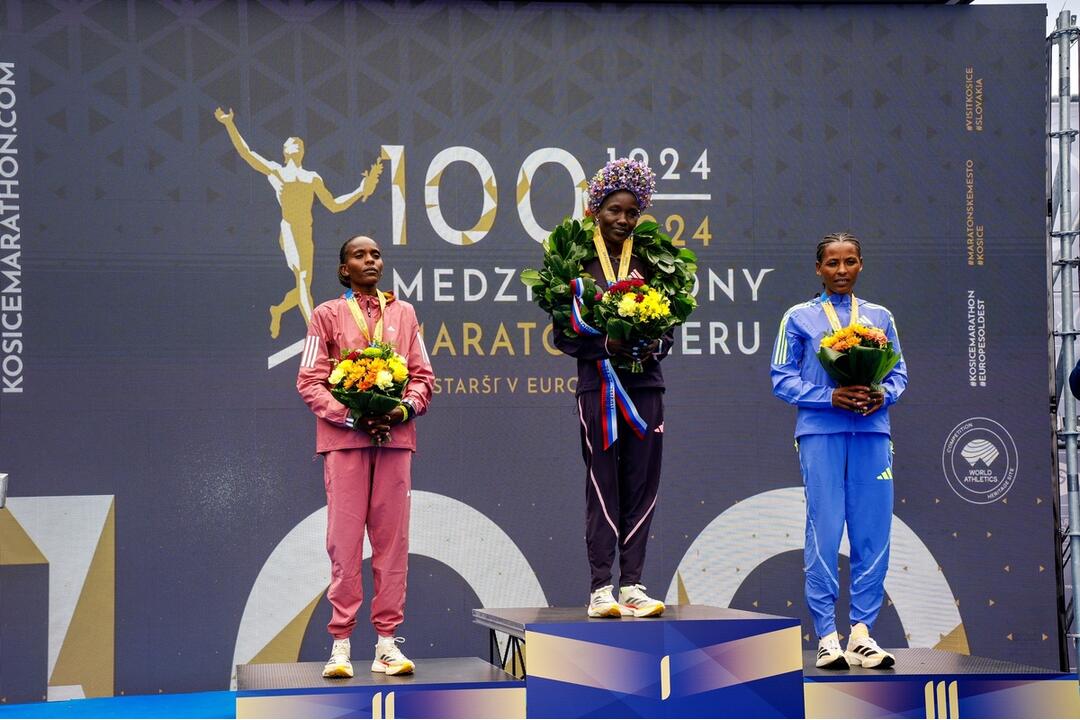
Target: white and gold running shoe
389,659
862,650
602,603
340,663
634,601
829,654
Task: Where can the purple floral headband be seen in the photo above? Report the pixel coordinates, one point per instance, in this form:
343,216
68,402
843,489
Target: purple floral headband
621,174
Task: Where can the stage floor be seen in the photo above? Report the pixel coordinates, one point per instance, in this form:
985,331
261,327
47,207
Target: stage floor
925,661
512,621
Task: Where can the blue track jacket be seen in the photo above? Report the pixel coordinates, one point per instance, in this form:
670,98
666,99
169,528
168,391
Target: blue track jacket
799,379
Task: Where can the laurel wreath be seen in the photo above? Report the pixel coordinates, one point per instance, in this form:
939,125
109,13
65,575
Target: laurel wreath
570,246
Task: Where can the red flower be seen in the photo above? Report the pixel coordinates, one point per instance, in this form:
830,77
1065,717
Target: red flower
625,285
354,355
639,297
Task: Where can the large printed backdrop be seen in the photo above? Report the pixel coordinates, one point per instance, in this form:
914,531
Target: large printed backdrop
142,252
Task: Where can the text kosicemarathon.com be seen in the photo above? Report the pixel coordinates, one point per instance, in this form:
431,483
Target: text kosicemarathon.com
11,298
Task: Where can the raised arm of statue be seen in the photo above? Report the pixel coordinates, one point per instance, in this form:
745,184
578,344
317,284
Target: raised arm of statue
251,157
362,193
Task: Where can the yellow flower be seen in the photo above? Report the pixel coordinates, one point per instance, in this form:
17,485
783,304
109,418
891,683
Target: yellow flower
336,375
654,306
384,379
628,305
398,368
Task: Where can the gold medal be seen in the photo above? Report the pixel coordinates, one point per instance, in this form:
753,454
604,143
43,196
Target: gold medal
834,319
605,259
354,308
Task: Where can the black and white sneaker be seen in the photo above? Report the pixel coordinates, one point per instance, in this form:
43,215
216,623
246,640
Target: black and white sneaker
862,650
829,654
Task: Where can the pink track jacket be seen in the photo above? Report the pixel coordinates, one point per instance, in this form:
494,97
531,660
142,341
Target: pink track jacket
332,330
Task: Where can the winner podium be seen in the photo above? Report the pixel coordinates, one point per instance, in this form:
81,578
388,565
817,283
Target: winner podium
693,661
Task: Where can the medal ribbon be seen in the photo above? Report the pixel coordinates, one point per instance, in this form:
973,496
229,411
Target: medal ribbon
361,321
605,259
615,397
834,319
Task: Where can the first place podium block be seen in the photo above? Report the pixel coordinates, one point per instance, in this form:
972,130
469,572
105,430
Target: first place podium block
694,661
440,688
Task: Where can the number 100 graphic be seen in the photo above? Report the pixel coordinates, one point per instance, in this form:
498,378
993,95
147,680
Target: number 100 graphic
395,154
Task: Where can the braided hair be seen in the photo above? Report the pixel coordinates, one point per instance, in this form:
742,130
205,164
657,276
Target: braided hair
838,237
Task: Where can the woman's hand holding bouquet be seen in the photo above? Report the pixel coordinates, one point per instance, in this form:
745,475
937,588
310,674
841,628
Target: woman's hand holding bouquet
371,383
635,316
858,357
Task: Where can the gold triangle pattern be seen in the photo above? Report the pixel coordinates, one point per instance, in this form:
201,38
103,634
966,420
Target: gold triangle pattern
285,646
88,655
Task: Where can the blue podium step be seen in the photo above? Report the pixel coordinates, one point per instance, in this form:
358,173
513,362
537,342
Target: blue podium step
694,661
440,688
929,683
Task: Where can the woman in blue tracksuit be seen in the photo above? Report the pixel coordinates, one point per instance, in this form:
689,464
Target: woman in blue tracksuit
845,451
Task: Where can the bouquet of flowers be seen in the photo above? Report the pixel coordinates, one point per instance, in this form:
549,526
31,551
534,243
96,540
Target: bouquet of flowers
370,382
664,303
858,355
631,310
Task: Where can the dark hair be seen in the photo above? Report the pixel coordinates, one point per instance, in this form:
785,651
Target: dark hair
837,237
341,258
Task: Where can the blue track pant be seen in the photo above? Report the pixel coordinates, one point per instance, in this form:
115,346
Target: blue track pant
848,477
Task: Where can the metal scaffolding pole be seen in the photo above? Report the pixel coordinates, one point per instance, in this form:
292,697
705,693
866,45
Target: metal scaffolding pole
1066,264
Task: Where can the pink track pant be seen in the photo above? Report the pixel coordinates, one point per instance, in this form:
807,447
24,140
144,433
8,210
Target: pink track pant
367,487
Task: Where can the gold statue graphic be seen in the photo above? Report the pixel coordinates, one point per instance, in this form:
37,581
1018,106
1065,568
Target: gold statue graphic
296,189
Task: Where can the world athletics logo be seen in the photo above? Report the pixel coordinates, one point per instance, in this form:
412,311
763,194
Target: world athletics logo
980,460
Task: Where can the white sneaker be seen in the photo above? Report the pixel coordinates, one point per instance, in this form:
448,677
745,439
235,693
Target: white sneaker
862,650
389,659
829,654
602,603
634,601
340,664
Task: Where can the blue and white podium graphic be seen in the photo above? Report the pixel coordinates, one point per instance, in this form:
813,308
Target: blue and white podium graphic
441,688
935,684
693,661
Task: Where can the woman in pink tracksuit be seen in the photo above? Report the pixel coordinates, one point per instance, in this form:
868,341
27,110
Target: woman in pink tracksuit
367,460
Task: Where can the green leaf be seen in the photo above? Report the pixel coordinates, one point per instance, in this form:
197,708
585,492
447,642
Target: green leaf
859,365
619,329
682,306
531,278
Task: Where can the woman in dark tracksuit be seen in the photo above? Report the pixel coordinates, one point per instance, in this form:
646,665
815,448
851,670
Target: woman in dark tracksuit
845,451
621,481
